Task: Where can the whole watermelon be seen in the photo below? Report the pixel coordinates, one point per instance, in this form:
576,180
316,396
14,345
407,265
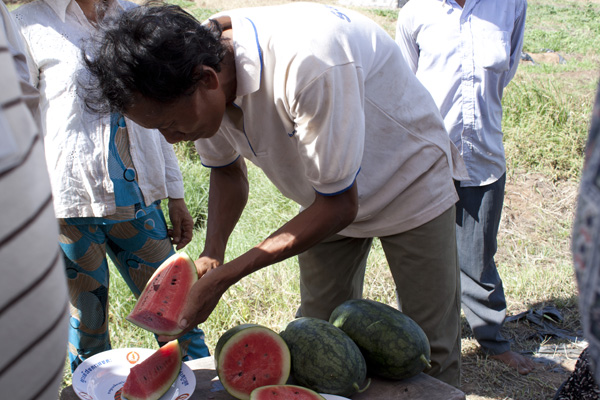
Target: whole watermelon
394,346
324,358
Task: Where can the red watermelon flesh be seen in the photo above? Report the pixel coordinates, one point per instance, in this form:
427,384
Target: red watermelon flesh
161,303
284,392
249,356
153,377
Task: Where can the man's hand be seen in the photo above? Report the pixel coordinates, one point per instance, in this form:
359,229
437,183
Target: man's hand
183,223
205,264
201,301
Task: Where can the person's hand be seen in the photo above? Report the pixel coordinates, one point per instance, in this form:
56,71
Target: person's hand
201,301
205,264
183,223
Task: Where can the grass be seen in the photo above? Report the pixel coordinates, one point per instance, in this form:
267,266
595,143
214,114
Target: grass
567,26
546,126
546,117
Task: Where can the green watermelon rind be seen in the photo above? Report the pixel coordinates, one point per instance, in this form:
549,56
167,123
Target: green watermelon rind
174,353
144,315
394,345
239,332
255,395
324,358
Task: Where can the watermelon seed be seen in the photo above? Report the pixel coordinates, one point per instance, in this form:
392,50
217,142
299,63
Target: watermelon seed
159,314
156,286
241,373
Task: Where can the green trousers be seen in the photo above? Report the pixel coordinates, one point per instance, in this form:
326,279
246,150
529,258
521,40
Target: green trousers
424,266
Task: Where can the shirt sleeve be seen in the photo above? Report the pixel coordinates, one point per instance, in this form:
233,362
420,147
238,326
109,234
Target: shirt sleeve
26,68
330,127
216,152
516,41
405,39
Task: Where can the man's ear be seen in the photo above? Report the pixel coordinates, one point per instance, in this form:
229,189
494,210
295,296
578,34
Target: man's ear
208,77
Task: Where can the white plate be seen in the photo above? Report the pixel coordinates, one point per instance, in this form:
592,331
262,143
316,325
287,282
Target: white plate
102,376
333,397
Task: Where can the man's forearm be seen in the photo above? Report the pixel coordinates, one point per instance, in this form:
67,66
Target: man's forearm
325,217
228,195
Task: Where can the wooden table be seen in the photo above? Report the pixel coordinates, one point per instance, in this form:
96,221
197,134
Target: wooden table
420,387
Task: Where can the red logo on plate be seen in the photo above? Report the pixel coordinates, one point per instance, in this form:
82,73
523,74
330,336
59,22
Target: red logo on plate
118,394
133,357
86,396
183,397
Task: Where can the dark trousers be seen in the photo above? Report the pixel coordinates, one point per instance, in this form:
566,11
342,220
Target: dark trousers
478,214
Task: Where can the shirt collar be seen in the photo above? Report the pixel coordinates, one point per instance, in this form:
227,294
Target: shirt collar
469,4
248,56
448,5
247,52
60,7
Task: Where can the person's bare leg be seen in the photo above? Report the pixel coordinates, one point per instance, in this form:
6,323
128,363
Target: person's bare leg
522,364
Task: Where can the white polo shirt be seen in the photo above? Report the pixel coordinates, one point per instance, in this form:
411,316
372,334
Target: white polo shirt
325,98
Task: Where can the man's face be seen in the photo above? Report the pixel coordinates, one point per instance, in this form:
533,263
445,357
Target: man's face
188,118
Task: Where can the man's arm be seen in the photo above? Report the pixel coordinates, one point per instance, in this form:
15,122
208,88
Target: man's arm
516,42
228,194
325,217
406,40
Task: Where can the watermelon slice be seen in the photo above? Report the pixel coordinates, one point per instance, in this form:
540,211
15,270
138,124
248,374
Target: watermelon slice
249,356
161,303
284,392
153,377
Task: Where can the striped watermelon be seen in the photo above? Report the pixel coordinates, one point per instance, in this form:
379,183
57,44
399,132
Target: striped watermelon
249,356
324,358
153,377
394,346
159,307
284,392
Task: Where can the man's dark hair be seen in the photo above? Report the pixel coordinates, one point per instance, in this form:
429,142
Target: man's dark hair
152,50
